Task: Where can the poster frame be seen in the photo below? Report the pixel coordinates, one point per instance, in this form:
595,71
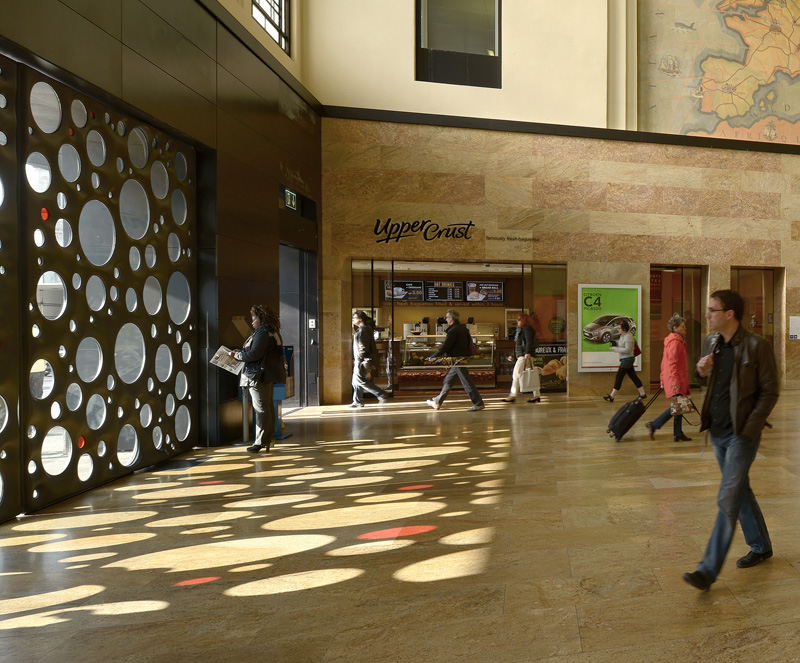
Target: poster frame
613,363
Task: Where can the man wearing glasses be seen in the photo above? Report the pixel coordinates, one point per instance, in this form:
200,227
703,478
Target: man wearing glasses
742,390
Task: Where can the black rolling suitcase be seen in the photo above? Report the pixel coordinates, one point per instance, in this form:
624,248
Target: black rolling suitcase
624,419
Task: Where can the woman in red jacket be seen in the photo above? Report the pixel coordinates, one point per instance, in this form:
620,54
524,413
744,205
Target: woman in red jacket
674,375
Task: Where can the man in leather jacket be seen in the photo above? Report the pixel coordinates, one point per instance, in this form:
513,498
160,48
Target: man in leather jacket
743,385
365,361
455,345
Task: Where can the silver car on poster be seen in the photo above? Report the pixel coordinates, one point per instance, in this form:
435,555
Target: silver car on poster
605,328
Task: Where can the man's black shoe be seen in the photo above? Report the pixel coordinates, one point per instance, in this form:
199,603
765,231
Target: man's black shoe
753,558
697,580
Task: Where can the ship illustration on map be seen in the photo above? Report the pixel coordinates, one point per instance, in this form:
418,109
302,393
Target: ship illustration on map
683,27
670,66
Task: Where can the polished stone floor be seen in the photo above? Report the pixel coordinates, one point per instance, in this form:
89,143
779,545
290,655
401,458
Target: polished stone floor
395,533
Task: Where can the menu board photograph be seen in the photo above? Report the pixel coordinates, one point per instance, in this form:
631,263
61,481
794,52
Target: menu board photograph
484,291
409,291
444,291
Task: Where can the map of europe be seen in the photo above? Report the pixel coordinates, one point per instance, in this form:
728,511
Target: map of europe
720,68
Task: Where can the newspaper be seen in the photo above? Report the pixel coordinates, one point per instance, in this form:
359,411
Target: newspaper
223,360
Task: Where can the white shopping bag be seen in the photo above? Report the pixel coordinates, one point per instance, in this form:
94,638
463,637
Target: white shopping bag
529,378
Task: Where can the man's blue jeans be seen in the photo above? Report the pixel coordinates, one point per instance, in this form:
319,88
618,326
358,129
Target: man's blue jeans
735,454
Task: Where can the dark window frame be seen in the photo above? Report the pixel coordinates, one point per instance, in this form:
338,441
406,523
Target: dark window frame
282,8
433,66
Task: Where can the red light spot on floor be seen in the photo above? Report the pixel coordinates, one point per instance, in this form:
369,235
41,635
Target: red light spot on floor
45,214
394,532
209,483
81,442
196,581
420,487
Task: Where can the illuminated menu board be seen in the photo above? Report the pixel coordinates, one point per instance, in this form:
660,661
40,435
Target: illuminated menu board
408,291
484,291
444,291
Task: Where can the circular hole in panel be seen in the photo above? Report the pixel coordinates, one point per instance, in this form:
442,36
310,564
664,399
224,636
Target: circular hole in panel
96,232
120,413
3,101
38,237
37,170
56,451
95,293
153,330
35,331
32,467
51,295
85,467
101,448
170,404
111,383
127,445
62,351
134,209
73,326
120,165
163,363
159,180
76,281
69,162
45,107
181,385
88,359
114,293
2,191
129,354
95,180
131,300
96,148
135,258
63,233
150,255
3,139
55,410
107,118
150,384
173,247
158,437
79,114
61,200
3,414
181,167
116,272
42,379
74,396
151,295
146,416
95,411
138,148
178,298
183,423
31,432
186,353
121,128
178,203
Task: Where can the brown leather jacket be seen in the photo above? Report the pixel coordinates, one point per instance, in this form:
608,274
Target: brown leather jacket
754,383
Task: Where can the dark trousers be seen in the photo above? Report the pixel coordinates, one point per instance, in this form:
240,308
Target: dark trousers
264,407
361,384
626,368
458,372
664,416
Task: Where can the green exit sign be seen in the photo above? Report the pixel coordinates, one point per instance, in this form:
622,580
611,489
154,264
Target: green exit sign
291,200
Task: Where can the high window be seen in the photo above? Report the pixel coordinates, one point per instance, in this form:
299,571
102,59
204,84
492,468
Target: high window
273,16
458,42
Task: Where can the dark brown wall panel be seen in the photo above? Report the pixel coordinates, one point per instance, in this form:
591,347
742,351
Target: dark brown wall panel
237,59
144,32
151,89
190,19
250,147
105,14
64,37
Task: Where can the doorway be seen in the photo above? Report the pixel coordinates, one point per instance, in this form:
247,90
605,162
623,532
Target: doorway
757,288
299,323
674,289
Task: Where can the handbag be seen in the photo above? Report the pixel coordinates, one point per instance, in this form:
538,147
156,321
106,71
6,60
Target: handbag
636,349
680,405
529,378
473,349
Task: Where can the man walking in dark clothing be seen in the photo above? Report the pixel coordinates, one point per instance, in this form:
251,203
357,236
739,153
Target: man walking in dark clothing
365,361
742,390
456,345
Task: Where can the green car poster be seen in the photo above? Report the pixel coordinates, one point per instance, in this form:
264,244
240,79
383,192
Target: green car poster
601,308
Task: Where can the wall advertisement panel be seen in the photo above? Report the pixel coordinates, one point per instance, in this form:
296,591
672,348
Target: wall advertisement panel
601,307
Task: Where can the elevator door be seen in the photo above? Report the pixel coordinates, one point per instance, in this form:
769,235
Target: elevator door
756,286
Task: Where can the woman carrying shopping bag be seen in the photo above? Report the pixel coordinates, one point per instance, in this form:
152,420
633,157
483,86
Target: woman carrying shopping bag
524,345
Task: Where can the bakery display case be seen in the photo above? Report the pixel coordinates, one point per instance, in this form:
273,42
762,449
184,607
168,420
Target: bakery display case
416,373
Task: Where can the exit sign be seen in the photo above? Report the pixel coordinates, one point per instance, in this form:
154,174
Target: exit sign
291,200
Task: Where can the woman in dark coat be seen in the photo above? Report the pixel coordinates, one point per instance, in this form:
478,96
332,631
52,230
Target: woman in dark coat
264,366
524,346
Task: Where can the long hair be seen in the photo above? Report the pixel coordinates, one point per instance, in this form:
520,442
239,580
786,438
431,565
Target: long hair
527,320
266,315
